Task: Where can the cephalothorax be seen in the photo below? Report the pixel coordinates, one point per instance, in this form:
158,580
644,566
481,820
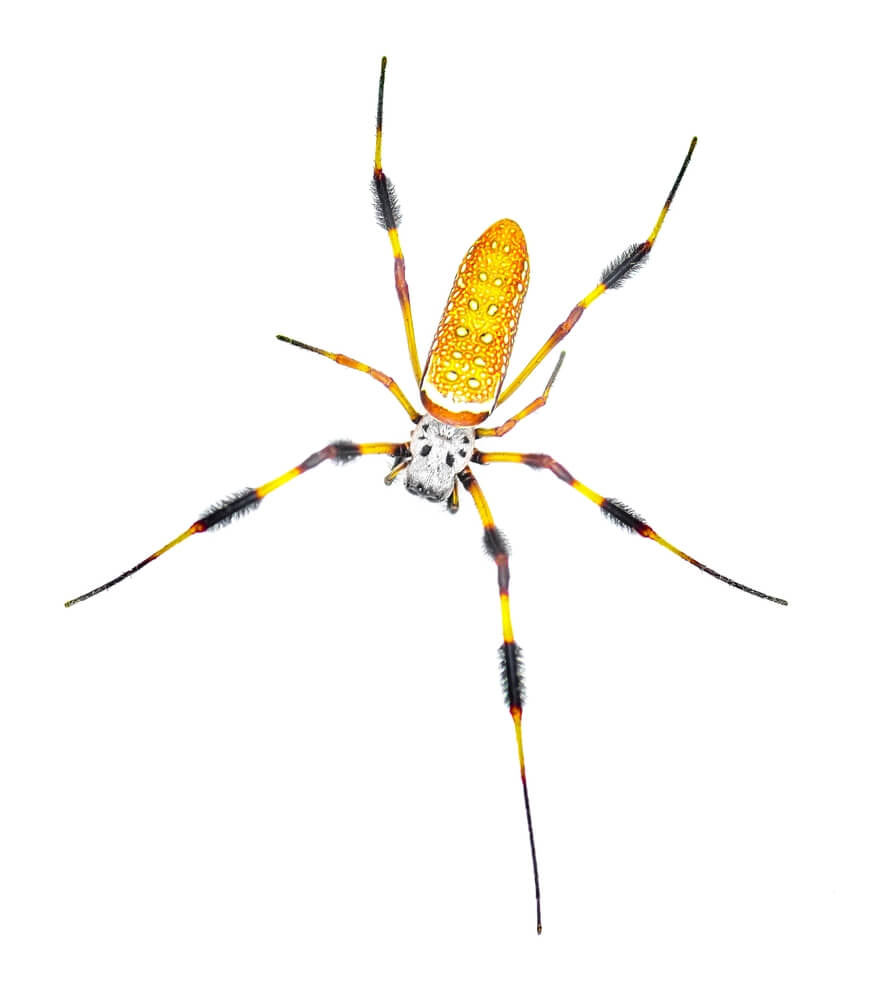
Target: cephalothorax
462,382
439,453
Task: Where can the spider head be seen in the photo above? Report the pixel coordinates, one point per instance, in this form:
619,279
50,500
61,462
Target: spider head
439,453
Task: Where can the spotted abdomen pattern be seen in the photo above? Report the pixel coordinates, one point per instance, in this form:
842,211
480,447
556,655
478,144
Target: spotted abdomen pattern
470,352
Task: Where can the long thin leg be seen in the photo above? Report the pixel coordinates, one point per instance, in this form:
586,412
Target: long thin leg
510,652
389,217
537,404
244,501
615,510
613,275
343,359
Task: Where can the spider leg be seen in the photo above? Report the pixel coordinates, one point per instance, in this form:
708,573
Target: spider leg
453,502
400,463
389,218
244,501
616,510
343,359
614,274
537,404
510,652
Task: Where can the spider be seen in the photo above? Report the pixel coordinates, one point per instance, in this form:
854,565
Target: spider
461,384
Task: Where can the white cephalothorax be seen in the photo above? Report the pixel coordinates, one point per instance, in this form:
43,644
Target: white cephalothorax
439,452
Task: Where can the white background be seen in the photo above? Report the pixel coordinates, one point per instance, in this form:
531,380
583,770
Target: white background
277,763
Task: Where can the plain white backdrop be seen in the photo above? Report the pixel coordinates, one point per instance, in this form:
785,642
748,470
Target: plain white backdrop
277,762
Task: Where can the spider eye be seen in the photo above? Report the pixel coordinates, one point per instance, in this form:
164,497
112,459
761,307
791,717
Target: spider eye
426,450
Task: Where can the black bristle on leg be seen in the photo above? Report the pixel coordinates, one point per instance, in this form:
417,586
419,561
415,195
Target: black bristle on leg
624,516
627,263
344,451
512,674
386,203
223,512
495,542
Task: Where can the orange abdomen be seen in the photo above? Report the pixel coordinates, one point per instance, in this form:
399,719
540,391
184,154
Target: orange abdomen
470,352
